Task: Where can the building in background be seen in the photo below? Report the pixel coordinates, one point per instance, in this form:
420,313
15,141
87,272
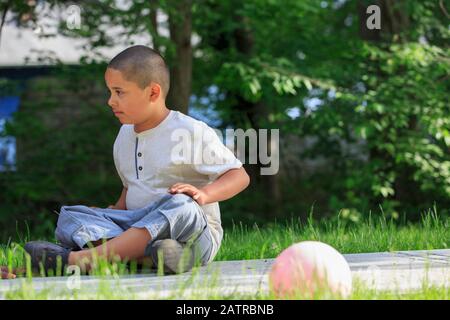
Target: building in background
8,105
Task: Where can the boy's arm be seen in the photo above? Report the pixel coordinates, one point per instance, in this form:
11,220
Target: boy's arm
121,203
225,187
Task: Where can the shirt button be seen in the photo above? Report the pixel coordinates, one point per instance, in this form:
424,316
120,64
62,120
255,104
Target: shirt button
140,168
139,154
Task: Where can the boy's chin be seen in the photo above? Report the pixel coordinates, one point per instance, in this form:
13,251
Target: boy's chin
123,121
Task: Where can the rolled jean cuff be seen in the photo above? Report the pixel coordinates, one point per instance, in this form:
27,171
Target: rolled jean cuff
158,228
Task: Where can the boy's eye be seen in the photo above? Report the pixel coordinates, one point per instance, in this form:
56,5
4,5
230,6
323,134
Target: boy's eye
118,92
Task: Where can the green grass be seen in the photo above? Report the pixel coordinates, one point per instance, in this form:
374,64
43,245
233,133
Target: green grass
373,235
244,242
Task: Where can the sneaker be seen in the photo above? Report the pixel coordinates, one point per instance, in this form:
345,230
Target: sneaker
177,257
45,255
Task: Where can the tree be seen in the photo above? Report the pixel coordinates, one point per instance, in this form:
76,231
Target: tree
131,18
381,112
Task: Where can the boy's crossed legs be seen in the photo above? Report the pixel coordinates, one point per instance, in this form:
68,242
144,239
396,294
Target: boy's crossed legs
130,245
187,222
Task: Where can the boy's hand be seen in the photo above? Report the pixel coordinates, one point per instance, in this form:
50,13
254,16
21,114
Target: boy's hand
196,194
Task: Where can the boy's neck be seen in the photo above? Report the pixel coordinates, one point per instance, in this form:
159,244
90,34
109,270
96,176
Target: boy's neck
154,121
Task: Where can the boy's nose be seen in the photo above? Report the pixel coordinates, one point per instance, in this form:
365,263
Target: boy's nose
111,102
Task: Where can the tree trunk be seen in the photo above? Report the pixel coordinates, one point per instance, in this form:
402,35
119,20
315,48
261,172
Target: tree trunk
180,26
154,22
394,21
5,9
255,113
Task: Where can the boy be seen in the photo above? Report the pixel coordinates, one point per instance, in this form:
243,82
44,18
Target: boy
169,203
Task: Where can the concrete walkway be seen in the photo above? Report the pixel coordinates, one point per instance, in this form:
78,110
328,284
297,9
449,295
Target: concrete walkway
399,271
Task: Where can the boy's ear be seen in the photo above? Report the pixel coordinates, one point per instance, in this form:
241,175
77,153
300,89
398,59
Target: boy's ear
154,91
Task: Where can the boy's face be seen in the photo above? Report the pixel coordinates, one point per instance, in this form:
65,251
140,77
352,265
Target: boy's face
129,102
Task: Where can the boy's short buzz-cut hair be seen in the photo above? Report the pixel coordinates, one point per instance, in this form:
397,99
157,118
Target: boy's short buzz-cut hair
142,65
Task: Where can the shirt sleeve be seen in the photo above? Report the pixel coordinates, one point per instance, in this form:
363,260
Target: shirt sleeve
116,164
213,158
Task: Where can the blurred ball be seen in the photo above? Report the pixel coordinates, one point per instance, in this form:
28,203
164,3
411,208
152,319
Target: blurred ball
310,267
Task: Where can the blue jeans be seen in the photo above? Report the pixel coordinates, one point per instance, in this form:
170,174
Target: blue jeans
177,217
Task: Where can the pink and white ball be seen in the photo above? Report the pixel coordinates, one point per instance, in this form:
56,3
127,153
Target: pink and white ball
307,268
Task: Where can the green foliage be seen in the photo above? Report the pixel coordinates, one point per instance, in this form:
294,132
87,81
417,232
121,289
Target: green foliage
64,132
386,100
382,122
401,114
